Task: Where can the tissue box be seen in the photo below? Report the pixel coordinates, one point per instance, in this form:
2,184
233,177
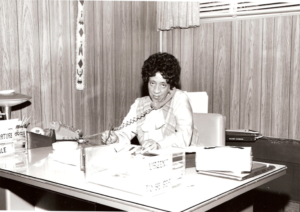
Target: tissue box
114,166
224,158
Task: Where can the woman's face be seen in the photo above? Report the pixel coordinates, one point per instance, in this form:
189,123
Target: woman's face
158,88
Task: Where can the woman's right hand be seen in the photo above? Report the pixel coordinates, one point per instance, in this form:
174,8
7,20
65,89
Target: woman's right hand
109,137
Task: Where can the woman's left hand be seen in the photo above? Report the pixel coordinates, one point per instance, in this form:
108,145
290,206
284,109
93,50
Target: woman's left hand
149,145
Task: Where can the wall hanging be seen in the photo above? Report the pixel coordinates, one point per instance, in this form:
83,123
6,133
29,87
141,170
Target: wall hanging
80,47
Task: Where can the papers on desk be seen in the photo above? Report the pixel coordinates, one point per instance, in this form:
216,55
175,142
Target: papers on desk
70,157
224,158
257,168
228,162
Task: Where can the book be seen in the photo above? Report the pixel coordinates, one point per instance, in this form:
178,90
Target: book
257,169
242,133
228,138
242,138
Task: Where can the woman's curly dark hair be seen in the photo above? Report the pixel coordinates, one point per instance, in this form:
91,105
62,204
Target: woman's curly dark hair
164,63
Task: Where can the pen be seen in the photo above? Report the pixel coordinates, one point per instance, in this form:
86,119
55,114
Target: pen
109,132
144,150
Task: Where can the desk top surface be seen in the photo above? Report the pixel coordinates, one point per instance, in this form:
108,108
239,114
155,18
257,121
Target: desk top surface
197,191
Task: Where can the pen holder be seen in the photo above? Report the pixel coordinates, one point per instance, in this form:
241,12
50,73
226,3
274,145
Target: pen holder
37,140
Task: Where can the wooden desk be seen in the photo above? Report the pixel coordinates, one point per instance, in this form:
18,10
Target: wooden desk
198,192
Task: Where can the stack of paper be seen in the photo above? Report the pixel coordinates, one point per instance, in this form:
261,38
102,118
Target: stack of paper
224,158
257,168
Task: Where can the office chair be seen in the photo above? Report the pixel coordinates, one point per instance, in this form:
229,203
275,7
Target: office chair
211,126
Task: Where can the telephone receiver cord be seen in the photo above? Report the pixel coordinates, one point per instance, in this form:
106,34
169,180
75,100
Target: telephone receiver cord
125,124
153,106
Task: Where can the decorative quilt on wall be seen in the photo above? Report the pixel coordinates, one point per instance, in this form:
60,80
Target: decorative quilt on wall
80,47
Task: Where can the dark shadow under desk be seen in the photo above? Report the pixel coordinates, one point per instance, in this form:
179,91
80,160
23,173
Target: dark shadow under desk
282,194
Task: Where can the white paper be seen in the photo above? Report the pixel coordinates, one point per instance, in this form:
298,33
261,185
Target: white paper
225,158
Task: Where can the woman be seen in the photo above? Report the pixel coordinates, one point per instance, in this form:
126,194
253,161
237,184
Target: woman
170,120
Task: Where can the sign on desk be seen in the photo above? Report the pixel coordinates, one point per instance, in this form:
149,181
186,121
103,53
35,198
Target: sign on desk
7,148
6,135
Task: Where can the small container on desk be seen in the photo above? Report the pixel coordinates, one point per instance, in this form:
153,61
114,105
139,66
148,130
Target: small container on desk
36,140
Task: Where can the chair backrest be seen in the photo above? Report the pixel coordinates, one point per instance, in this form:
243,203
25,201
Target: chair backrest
211,128
198,101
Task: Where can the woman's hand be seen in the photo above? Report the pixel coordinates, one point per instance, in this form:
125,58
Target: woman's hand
109,137
149,145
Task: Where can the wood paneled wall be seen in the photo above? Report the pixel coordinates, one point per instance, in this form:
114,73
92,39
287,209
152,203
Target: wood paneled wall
37,58
249,68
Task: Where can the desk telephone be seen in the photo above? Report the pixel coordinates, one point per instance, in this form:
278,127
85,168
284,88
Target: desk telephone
65,132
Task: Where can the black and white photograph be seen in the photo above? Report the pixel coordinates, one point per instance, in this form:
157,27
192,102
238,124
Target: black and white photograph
180,106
